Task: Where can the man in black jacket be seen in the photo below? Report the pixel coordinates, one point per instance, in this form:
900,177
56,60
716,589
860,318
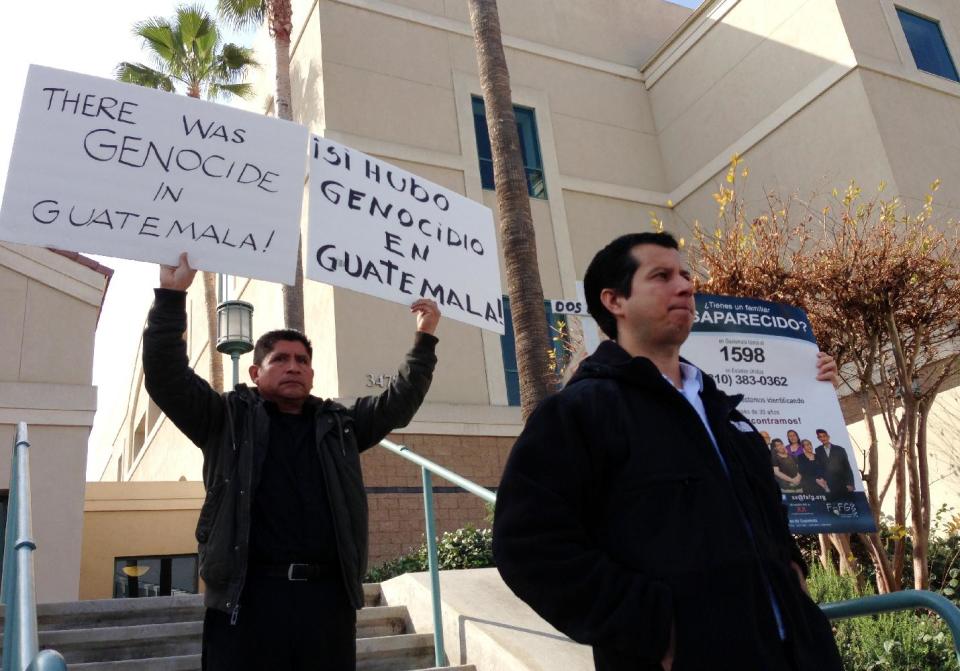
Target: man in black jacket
283,530
637,511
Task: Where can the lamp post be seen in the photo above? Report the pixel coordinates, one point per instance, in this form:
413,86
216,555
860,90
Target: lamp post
235,332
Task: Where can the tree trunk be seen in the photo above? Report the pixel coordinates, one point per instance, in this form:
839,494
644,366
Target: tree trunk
516,223
900,510
825,551
920,491
210,303
884,570
280,20
848,562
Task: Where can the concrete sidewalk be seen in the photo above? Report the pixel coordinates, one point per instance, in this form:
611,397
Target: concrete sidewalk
485,624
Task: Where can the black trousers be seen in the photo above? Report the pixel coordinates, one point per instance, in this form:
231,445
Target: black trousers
283,625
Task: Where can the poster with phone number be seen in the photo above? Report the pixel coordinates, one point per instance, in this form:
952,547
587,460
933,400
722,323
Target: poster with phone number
767,352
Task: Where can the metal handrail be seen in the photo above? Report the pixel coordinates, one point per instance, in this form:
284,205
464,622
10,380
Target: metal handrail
428,467
20,639
905,600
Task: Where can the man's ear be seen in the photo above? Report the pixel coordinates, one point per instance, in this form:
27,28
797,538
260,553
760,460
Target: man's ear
611,300
254,371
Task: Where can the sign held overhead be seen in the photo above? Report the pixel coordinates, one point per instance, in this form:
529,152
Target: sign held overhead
384,231
110,168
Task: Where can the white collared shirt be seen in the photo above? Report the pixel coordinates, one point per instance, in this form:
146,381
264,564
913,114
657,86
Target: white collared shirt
692,385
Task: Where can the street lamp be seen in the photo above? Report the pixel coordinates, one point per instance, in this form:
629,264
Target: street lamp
235,332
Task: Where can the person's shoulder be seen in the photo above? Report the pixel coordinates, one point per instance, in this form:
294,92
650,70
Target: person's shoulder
588,392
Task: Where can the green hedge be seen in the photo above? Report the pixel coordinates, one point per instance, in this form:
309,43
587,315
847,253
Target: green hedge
901,641
463,548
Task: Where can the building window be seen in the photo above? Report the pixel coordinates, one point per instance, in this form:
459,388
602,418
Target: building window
927,45
154,576
139,436
508,348
529,148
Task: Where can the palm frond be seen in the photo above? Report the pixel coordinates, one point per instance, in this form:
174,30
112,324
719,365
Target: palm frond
142,75
194,22
157,35
217,91
235,61
243,14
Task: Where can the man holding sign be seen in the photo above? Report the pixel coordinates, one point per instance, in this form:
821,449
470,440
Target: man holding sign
283,528
637,512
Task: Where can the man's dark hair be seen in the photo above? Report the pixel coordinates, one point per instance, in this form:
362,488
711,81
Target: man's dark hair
776,441
613,268
824,431
269,340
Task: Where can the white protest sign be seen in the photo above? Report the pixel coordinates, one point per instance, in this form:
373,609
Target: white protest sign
117,169
383,231
767,352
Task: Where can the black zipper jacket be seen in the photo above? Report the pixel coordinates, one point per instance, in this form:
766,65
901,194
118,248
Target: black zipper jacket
615,519
233,431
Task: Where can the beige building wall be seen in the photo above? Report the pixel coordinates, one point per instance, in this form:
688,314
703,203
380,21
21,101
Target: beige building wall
50,303
143,519
943,447
639,108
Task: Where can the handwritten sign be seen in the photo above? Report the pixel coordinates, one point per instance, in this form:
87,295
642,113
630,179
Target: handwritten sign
386,232
116,169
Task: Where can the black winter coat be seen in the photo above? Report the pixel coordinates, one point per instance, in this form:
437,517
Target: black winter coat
615,518
233,431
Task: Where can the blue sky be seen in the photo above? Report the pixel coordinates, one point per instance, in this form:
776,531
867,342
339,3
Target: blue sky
686,3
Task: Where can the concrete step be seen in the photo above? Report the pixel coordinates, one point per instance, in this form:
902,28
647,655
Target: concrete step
372,594
120,612
382,621
164,634
108,641
174,663
403,652
107,644
190,663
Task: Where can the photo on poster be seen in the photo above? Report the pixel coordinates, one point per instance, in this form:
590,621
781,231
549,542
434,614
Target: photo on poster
767,352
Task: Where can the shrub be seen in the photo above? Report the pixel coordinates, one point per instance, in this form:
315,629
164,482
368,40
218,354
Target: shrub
901,641
463,548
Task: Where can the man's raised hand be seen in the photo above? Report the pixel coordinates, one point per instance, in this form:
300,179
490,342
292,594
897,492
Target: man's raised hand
827,369
178,277
428,315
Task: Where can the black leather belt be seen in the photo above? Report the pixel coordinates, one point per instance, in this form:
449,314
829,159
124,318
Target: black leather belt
295,572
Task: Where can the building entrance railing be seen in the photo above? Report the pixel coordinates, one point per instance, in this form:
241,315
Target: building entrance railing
20,640
427,469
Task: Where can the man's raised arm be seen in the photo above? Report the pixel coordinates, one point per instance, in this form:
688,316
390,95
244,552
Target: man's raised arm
185,397
376,416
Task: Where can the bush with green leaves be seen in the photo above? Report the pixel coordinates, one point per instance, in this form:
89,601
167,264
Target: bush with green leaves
900,641
463,548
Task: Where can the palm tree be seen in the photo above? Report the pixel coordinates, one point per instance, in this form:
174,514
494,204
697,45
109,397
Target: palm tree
188,50
516,223
279,17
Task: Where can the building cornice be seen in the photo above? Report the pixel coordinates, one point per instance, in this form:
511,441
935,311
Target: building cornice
57,270
460,28
684,38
